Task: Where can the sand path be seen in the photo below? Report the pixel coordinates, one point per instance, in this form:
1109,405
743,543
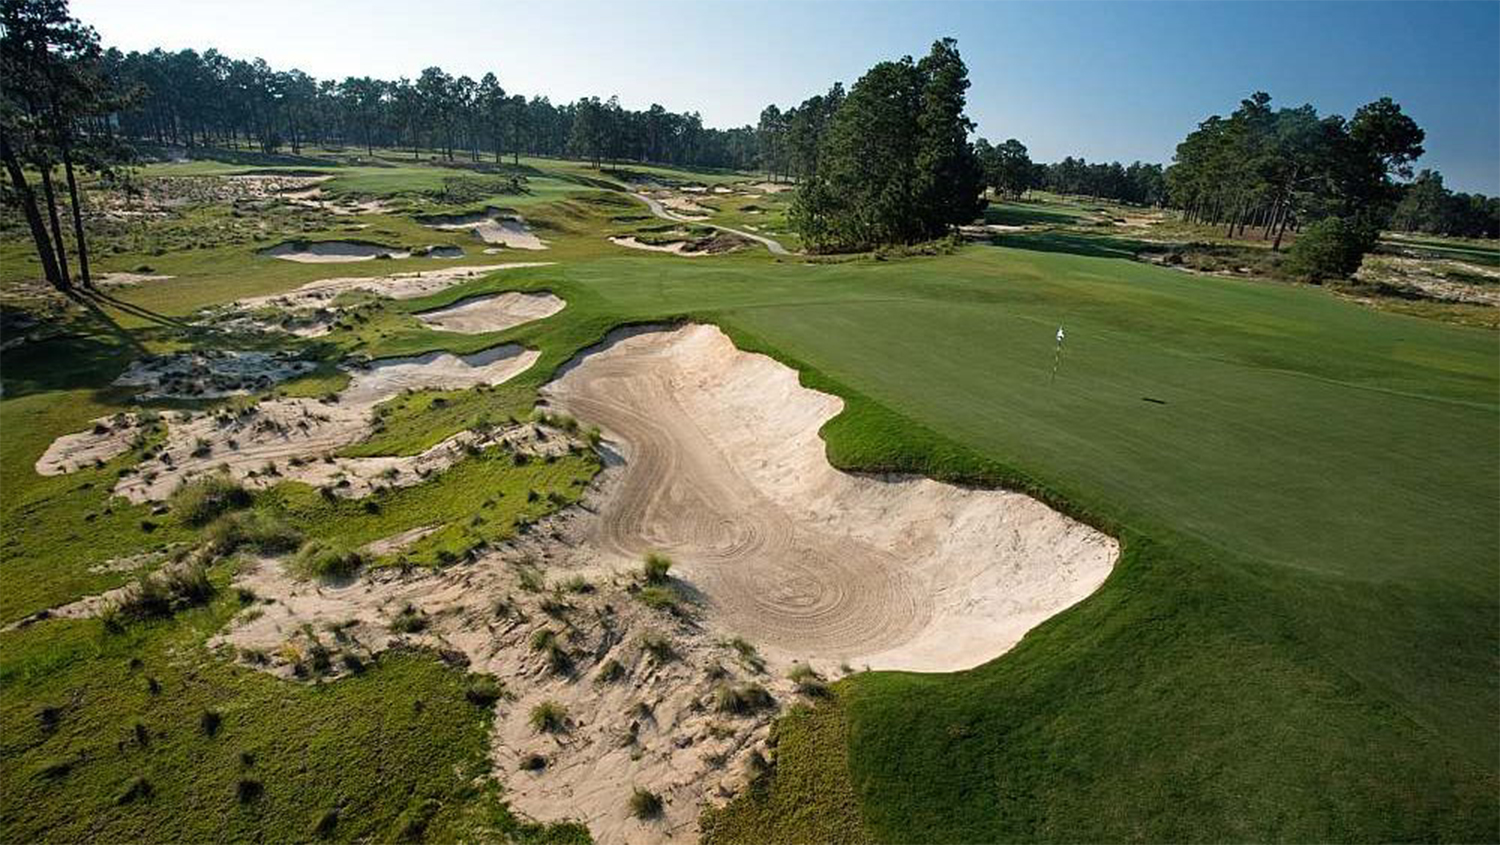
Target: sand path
661,211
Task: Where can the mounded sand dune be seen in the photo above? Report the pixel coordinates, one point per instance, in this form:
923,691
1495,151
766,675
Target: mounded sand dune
332,252
725,471
492,313
320,293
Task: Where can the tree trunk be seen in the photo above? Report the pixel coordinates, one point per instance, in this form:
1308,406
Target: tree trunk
79,243
51,198
33,216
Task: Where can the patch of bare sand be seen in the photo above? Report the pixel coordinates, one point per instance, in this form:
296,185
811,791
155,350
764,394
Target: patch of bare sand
295,438
674,248
107,438
396,286
332,252
492,313
633,719
492,226
726,472
210,374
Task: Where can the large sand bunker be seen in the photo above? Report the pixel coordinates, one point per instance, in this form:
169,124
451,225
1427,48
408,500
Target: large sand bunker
493,313
492,226
332,252
726,472
683,248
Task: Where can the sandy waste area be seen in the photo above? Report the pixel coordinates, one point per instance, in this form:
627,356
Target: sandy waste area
712,456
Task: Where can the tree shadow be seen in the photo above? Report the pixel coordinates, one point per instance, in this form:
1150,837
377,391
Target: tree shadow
1072,243
129,308
1016,215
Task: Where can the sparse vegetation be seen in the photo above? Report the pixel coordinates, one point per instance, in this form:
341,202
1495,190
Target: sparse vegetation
548,717
320,559
644,804
200,502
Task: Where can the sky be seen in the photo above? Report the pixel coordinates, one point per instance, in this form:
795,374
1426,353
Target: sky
1107,81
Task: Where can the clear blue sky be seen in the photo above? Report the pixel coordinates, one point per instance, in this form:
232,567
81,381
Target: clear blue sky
1103,80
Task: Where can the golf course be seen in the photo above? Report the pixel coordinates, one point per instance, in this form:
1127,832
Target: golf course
382,491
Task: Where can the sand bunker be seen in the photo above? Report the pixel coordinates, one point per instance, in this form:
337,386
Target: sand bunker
726,472
396,286
682,248
491,226
493,313
295,438
210,374
332,252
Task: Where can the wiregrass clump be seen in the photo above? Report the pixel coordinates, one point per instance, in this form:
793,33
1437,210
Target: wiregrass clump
324,560
159,595
644,804
264,532
741,700
200,502
549,717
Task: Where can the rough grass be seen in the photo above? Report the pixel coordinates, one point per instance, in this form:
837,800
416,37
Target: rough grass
319,559
325,758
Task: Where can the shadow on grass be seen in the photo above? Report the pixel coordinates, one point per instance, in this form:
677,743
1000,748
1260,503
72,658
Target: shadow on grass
1072,243
1019,214
67,362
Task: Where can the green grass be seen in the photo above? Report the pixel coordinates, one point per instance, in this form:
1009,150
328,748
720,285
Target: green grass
1298,642
366,748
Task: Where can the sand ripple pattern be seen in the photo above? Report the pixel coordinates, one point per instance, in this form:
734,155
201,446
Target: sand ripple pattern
724,471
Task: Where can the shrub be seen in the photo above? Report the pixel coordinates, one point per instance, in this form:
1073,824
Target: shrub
483,690
161,594
323,828
577,584
319,559
549,717
135,789
263,532
610,672
409,621
644,804
533,763
741,700
808,681
199,502
209,722
248,790
1331,248
655,568
658,598
658,646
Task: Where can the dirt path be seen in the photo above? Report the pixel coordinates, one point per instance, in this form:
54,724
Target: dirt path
664,213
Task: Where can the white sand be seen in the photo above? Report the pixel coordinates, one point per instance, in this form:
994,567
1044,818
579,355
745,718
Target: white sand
396,286
674,247
493,227
332,252
108,437
726,472
493,313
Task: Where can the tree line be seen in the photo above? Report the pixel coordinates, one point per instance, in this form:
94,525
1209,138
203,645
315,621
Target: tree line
191,99
1429,207
1268,169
